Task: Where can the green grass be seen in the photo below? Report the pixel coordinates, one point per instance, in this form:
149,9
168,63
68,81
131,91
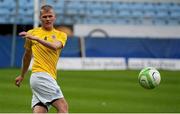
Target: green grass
97,91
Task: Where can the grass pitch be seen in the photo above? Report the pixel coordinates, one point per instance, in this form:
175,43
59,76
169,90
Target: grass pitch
97,92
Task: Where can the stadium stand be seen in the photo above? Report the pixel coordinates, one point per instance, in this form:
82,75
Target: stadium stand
102,12
112,12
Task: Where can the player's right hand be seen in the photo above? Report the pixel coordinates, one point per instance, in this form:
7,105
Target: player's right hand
23,34
18,81
27,35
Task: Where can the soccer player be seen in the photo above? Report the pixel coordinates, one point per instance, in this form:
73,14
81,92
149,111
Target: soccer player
44,44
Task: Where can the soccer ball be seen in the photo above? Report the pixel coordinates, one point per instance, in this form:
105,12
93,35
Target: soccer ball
149,77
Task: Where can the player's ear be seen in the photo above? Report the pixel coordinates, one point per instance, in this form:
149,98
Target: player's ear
39,16
55,16
40,13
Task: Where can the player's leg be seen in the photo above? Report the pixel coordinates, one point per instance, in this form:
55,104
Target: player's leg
60,105
40,108
37,105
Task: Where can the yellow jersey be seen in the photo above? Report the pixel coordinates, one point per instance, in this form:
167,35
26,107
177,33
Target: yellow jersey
45,59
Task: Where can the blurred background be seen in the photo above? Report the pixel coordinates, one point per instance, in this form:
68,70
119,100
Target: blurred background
109,41
139,32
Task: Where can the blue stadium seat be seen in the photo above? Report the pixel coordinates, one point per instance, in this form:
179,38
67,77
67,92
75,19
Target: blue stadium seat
68,21
137,17
92,20
160,22
106,5
94,12
148,7
162,14
78,20
94,4
174,18
108,21
175,15
174,7
107,9
57,4
4,11
161,6
60,19
136,6
75,8
120,6
124,14
174,22
29,4
161,17
137,14
94,9
23,19
7,4
3,20
149,14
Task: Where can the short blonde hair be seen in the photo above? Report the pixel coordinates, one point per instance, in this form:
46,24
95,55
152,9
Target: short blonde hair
46,8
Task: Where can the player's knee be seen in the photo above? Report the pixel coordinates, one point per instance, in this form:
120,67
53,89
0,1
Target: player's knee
39,109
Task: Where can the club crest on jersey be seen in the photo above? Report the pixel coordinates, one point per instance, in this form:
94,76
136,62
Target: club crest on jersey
53,37
45,38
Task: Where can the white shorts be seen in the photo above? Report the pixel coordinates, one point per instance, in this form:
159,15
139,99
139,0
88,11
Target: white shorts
44,88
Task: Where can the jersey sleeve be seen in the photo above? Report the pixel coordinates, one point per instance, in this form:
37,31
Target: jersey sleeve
28,43
62,37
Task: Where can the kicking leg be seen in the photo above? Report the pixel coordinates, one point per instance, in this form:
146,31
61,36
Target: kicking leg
40,108
60,105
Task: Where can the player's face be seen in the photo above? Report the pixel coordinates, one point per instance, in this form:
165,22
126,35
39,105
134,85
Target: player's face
47,19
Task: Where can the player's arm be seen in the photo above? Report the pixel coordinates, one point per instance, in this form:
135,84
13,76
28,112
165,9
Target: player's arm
25,65
54,45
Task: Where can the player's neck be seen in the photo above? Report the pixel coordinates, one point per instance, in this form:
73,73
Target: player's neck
48,29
